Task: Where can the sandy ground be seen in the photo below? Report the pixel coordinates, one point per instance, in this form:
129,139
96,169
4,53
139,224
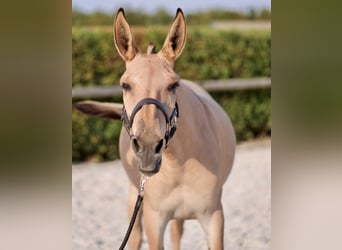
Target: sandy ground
99,204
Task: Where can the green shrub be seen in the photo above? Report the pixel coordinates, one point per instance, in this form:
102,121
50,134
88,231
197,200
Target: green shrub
209,54
250,112
94,139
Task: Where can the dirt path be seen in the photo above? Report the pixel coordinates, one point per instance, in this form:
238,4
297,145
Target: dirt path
100,191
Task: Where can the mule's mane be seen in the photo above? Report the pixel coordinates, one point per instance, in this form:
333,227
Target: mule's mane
151,49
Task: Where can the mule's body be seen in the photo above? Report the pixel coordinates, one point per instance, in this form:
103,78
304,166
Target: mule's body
195,166
187,184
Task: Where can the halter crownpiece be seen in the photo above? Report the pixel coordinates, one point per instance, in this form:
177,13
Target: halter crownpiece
171,122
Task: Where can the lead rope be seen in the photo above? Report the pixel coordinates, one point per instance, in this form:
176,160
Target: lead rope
136,210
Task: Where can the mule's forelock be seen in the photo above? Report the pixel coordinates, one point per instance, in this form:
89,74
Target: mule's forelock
151,49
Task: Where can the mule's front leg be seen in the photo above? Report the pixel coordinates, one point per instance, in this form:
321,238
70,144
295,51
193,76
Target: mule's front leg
155,224
213,225
176,233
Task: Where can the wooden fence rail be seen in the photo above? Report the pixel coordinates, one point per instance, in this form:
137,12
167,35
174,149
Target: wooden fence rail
211,86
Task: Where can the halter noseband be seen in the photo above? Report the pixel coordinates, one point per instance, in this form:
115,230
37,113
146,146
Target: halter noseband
171,122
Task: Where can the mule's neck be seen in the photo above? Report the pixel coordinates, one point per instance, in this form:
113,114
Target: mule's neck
187,124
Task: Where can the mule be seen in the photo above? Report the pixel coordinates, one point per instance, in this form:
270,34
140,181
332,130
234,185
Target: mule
175,134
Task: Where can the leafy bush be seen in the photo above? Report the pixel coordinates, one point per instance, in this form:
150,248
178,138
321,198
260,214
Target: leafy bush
209,54
94,138
250,112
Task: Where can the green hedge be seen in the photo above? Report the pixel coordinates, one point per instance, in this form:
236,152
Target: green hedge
209,54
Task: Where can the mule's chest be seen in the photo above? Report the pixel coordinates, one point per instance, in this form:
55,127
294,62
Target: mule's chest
183,200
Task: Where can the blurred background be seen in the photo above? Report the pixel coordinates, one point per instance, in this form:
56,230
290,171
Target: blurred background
227,40
36,62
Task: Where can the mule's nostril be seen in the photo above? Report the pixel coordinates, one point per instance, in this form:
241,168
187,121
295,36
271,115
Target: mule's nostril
159,146
136,146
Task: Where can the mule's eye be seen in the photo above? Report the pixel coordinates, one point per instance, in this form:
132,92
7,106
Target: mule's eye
126,86
172,86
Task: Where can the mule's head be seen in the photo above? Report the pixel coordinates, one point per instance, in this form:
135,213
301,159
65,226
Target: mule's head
149,90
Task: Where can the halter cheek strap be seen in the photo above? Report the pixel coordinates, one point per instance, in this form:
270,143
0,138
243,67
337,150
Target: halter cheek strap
171,122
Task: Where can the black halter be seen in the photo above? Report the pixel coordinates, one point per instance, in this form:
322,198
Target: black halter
171,122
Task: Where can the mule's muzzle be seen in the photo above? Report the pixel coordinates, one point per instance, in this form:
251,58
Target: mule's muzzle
148,155
152,168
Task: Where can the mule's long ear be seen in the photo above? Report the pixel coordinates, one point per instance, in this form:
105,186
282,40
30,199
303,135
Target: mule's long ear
175,40
123,38
100,109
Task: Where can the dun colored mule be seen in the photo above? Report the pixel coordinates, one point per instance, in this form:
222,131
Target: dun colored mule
175,134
